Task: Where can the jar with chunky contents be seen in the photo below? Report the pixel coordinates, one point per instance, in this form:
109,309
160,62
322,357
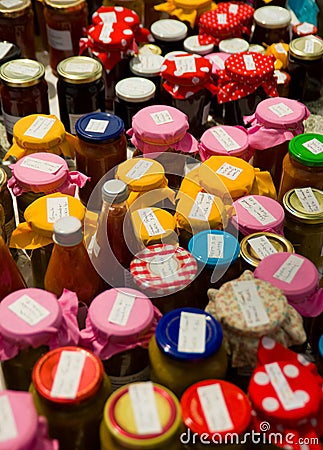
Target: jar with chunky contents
154,226
7,203
271,25
169,34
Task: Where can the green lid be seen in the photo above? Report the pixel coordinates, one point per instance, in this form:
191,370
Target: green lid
307,149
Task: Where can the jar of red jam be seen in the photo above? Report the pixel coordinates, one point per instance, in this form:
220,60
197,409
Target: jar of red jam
271,25
242,10
303,29
214,26
169,34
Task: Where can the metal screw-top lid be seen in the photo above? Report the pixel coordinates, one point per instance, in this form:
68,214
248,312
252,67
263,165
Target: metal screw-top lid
114,191
68,231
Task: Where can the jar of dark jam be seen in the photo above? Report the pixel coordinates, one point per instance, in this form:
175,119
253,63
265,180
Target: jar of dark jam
148,65
80,89
169,34
271,25
17,25
7,203
24,91
65,22
305,67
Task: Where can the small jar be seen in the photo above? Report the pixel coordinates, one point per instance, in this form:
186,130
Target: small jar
169,34
154,226
164,273
80,89
303,29
271,25
303,164
32,322
187,348
7,204
65,23
24,91
242,10
141,415
101,145
17,26
305,67
233,45
283,80
23,429
148,65
214,26
192,45
119,325
70,389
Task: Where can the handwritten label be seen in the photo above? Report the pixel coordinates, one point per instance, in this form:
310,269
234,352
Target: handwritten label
202,206
162,117
214,408
8,427
262,246
68,374
233,9
249,62
29,310
40,127
225,139
144,408
289,269
215,245
222,19
192,331
308,200
22,69
106,32
280,48
250,303
4,48
165,266
306,28
79,67
150,62
152,224
139,169
58,39
309,46
57,207
40,165
108,17
314,145
217,61
229,171
281,110
261,214
97,126
121,309
184,64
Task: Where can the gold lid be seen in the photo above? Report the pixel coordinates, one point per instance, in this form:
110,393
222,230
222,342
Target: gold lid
8,7
3,178
22,72
307,48
280,244
294,208
79,69
148,49
63,4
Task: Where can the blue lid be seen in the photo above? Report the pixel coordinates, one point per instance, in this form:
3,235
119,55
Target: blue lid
200,246
167,334
98,127
321,346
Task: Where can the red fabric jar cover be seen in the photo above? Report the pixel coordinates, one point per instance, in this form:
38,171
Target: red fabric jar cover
243,73
186,74
242,10
215,26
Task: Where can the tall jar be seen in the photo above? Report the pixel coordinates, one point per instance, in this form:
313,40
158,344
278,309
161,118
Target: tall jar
169,34
32,322
7,203
271,25
80,89
24,91
70,389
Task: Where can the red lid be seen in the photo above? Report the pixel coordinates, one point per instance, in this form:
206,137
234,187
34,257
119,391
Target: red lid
186,69
215,406
107,38
220,25
304,29
68,375
242,10
249,66
114,14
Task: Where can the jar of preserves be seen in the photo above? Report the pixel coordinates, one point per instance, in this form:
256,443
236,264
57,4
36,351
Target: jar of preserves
7,204
80,89
148,65
305,65
215,26
242,10
119,324
192,45
32,322
154,226
303,29
24,91
187,348
271,25
303,164
101,145
233,45
10,277
70,389
169,34
283,80
141,415
65,23
17,25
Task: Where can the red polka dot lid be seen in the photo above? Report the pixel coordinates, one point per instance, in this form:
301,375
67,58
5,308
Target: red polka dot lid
242,10
215,26
113,14
109,38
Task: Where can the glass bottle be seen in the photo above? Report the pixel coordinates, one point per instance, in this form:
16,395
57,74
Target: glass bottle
10,277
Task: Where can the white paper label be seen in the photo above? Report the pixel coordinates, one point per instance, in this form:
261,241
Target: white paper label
217,61
144,408
10,3
78,67
139,169
282,388
29,310
108,17
162,117
185,64
249,62
40,127
68,374
281,76
8,427
205,115
149,62
222,19
225,139
289,269
262,246
165,266
192,330
250,303
305,28
4,48
40,165
256,209
229,171
215,245
152,224
314,146
281,110
308,200
97,126
309,46
58,39
106,32
23,69
214,408
233,9
280,48
121,309
202,207
57,208
9,121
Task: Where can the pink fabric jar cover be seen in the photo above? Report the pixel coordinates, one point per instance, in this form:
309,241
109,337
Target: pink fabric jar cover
217,60
270,128
29,174
33,317
105,337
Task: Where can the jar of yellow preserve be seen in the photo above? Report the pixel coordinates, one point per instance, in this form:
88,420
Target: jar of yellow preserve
154,226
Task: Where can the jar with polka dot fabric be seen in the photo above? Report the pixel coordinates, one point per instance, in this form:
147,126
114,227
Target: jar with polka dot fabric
215,26
242,10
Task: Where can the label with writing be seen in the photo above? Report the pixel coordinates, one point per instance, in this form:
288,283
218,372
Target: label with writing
97,126
40,127
139,169
10,3
225,139
289,269
262,246
23,69
57,207
280,48
149,62
281,110
229,171
9,121
77,67
165,266
192,331
58,39
261,214
306,28
68,374
308,200
106,32
8,427
309,46
4,48
314,145
202,206
217,61
222,19
249,62
250,303
29,310
185,64
121,309
162,117
152,224
215,245
233,9
214,408
108,17
39,164
144,408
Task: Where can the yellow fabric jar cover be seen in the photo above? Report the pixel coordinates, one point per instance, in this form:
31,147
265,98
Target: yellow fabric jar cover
154,226
280,52
186,10
41,133
38,229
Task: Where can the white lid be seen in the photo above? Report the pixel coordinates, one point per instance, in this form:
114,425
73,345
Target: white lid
135,89
191,45
114,191
146,64
256,48
68,231
235,45
272,16
169,30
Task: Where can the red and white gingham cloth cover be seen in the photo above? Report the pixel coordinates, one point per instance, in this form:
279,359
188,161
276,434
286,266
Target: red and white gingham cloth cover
215,26
242,10
147,280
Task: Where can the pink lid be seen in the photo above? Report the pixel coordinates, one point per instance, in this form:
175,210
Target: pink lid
224,140
280,111
217,60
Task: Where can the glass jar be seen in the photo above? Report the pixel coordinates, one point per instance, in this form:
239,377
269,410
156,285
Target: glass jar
169,34
141,415
271,25
154,226
7,203
148,65
101,145
214,26
305,66
32,322
80,89
70,389
10,277
192,45
136,5
187,348
24,91
17,25
303,29
244,12
65,23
